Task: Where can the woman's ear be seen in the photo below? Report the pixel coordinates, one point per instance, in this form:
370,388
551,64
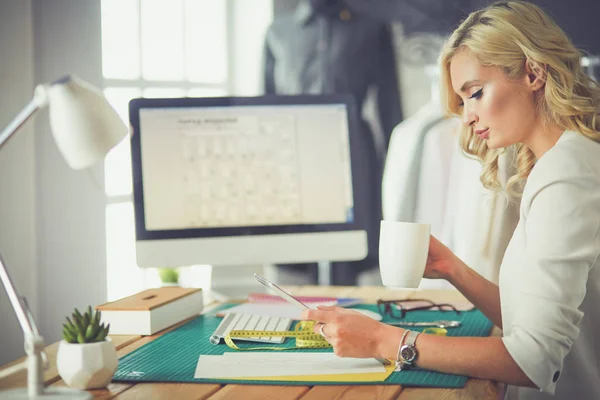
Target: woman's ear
535,75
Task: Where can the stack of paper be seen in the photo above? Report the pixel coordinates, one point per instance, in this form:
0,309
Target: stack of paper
291,367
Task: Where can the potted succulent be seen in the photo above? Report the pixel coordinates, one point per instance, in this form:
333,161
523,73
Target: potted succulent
87,358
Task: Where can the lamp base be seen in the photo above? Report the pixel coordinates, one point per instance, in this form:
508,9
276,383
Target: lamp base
55,393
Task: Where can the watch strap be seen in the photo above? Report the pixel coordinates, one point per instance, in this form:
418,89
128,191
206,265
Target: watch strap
409,343
398,362
411,338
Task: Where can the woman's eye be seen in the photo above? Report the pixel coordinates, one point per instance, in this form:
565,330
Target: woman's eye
477,94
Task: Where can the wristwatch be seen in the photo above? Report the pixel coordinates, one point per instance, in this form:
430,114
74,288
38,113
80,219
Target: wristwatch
408,351
398,362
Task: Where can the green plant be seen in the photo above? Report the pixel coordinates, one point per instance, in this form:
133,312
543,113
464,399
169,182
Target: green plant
168,275
85,328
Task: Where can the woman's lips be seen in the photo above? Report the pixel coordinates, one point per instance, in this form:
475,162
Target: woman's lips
483,133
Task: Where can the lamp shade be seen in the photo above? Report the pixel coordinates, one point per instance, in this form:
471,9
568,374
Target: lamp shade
84,125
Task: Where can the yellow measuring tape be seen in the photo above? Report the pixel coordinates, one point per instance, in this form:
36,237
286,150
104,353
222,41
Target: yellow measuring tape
306,338
303,332
436,331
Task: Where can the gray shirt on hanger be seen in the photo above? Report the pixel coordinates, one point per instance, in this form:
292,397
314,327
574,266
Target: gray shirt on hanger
309,52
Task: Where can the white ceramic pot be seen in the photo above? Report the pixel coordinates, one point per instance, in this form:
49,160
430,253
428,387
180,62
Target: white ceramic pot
88,365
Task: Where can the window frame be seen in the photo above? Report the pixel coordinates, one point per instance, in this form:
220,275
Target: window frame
149,275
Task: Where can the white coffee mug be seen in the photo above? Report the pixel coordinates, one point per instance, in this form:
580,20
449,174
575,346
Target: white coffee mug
403,249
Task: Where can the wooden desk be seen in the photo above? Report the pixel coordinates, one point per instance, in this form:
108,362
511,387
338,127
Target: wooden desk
474,389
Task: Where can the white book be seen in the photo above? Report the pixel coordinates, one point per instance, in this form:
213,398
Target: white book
152,310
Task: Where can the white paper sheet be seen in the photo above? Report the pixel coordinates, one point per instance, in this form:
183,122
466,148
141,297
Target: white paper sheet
257,364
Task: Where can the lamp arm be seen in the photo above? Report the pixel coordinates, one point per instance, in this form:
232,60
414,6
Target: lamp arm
16,302
39,100
34,343
37,360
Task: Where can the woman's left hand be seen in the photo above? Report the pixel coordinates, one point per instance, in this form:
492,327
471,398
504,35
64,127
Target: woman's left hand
351,333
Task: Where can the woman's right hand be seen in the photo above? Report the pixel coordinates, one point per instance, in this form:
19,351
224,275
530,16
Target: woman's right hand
441,261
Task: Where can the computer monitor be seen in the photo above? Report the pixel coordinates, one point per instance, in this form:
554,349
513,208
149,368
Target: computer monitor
247,181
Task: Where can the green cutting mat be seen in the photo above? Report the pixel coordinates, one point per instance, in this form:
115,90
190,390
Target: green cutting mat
173,356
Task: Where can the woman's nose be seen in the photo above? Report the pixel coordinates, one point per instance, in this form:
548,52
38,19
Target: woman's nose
469,117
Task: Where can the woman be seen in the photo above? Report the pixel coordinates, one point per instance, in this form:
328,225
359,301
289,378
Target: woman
515,79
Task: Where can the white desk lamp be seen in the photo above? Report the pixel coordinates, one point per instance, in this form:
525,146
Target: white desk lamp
85,127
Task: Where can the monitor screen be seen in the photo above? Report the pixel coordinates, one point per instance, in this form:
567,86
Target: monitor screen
244,168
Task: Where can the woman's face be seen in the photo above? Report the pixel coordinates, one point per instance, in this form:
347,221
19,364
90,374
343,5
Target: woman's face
499,110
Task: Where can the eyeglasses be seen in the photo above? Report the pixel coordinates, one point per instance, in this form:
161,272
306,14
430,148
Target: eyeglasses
398,308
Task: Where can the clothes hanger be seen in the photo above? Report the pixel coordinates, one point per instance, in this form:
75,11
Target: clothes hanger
590,63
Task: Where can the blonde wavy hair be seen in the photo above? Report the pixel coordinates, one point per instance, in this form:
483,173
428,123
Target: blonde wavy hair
509,35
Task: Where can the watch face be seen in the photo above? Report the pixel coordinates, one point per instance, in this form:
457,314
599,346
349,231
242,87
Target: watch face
408,353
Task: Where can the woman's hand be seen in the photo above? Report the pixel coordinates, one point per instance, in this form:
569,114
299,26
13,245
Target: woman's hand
351,333
441,261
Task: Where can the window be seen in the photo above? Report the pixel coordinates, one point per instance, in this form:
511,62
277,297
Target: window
155,48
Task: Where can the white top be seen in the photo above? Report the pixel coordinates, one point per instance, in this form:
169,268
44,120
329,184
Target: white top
550,277
480,242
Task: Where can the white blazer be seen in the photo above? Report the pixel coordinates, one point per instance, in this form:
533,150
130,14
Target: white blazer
550,275
479,223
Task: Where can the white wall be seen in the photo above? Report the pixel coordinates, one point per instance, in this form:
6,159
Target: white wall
70,207
17,177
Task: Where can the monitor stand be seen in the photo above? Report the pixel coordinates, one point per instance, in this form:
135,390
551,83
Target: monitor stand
324,273
322,276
